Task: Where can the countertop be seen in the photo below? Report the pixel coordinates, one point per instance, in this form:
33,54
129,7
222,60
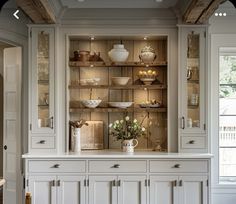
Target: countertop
100,154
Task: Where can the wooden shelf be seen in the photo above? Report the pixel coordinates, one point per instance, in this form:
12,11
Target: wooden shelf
193,106
193,81
44,82
155,86
104,64
113,110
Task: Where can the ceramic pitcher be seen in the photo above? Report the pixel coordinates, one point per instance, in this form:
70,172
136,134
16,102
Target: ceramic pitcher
128,145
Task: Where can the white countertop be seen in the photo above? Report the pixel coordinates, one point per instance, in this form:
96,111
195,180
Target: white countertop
118,154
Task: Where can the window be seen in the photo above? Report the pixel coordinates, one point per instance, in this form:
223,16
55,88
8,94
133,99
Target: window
227,116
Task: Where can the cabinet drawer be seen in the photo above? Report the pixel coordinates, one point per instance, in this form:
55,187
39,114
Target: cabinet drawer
193,142
43,142
56,166
172,166
118,166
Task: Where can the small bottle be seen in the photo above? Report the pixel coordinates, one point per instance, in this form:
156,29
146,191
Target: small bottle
190,123
28,198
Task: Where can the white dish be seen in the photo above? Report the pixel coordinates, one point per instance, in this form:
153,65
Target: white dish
91,103
91,81
120,104
122,81
147,81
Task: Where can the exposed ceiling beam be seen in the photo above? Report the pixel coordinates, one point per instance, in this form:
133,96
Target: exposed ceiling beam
39,11
199,11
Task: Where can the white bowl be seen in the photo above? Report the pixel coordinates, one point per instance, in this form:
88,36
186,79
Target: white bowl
120,104
91,103
122,81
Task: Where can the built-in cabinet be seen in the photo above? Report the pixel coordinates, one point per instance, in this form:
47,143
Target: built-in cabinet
192,89
118,181
41,91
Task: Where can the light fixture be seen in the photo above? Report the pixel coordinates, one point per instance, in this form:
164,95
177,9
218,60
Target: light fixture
145,38
224,14
92,38
158,1
220,14
80,0
216,14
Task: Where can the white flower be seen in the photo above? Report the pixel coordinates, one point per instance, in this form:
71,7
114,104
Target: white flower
127,118
135,121
143,129
110,125
117,121
121,121
114,126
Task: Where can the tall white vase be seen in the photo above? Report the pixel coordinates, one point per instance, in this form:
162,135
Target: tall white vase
76,147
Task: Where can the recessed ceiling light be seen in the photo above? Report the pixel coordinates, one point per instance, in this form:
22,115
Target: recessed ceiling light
80,0
158,1
224,14
145,38
92,38
216,14
220,14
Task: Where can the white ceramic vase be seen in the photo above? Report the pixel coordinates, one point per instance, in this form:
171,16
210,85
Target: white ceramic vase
118,53
128,145
76,147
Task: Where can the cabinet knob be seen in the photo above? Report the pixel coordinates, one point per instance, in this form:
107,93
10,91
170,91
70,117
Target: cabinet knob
191,142
116,166
177,166
5,147
56,166
42,142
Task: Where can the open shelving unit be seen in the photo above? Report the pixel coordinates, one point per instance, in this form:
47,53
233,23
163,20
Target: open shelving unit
135,91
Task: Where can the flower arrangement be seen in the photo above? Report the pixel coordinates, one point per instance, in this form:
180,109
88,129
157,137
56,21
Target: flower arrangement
127,129
78,124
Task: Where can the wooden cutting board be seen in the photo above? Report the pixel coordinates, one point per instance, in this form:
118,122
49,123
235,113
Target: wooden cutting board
92,135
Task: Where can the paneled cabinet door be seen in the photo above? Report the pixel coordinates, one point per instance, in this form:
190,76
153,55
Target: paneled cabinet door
42,78
43,189
193,189
71,189
163,190
192,80
102,189
132,189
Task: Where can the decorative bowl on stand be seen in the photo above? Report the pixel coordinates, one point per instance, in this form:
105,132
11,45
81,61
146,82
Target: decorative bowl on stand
147,77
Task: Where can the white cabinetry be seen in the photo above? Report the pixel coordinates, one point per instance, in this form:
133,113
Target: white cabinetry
110,181
192,89
57,189
123,189
41,93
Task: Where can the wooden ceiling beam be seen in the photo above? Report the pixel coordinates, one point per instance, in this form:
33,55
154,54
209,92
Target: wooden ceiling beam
199,11
39,11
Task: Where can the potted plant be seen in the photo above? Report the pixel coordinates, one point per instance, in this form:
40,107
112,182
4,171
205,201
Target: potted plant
127,131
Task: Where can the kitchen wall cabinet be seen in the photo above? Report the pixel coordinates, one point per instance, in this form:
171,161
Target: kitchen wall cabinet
41,91
192,89
60,189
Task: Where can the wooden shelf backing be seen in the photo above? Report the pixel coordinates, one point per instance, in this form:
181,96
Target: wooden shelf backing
114,110
105,64
193,81
156,86
193,106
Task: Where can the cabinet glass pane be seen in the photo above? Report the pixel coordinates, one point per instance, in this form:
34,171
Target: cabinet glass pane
193,86
43,79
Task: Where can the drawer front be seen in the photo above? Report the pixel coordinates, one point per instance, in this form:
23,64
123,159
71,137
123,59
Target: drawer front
179,166
56,166
43,142
118,166
193,142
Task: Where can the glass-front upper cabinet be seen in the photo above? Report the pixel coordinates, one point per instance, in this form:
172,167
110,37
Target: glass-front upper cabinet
42,51
192,91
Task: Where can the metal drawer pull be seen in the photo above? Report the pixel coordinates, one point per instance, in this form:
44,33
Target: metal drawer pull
118,183
56,166
58,183
51,122
183,123
113,183
180,183
174,183
192,142
177,166
116,166
53,183
42,142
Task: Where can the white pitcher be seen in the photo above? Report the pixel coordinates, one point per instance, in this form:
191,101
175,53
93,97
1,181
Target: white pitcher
128,145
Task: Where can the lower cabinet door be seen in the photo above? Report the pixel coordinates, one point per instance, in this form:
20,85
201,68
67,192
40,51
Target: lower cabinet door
132,190
43,189
193,189
71,189
102,189
163,190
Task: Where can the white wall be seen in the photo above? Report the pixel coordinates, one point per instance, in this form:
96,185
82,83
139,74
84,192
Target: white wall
222,32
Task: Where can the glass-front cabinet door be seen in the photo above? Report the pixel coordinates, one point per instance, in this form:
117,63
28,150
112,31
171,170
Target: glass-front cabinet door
42,80
192,81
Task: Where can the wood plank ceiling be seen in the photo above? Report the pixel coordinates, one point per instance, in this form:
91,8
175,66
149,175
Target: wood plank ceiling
38,11
199,11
